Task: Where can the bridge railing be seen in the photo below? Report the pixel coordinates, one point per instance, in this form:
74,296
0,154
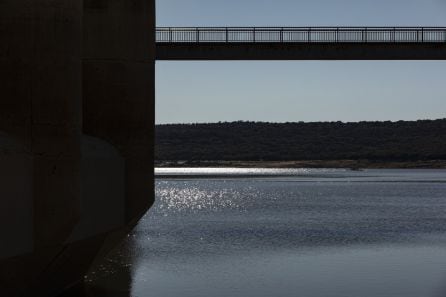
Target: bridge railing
301,34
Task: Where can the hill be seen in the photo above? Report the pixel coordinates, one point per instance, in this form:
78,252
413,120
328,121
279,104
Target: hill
400,141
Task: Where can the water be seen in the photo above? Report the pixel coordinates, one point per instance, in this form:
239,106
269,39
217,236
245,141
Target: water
311,233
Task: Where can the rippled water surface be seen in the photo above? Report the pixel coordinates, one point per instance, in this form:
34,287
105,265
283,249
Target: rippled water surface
310,233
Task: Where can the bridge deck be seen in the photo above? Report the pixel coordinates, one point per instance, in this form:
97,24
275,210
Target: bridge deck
315,43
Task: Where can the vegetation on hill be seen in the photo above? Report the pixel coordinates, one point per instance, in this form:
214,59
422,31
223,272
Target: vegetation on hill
259,141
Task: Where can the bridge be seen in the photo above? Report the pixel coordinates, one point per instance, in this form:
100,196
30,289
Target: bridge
301,43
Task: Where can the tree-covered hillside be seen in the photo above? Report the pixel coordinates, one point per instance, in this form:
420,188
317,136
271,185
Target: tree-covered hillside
253,141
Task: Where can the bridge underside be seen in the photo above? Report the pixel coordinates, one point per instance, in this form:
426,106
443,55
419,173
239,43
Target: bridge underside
300,51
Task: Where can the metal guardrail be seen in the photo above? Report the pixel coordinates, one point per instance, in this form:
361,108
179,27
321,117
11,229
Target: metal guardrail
301,34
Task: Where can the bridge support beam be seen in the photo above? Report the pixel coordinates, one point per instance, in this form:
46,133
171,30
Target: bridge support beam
300,51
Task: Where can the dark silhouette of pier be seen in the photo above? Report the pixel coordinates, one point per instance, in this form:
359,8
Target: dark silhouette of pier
301,43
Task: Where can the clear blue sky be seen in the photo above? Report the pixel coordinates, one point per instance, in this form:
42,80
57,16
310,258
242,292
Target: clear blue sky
294,90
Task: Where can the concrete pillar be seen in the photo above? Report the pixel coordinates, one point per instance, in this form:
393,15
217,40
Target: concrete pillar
119,89
56,183
40,124
40,107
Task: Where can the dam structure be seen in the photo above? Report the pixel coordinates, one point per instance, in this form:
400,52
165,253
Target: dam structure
77,110
76,136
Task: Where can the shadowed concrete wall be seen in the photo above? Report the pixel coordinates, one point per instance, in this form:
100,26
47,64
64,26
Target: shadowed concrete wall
40,106
40,120
119,90
67,197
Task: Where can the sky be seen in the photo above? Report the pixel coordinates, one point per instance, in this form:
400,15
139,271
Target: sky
291,91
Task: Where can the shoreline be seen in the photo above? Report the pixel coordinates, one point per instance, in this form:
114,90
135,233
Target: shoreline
332,164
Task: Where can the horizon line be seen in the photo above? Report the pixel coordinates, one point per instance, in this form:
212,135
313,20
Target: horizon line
297,122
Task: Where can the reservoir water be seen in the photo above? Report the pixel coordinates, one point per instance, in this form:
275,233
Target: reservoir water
289,232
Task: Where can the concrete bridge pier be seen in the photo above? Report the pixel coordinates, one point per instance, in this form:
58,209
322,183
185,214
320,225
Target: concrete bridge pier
40,127
118,103
76,135
119,90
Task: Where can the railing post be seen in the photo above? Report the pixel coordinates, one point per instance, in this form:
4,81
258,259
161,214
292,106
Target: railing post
227,37
197,34
422,34
170,34
337,34
254,34
309,35
281,35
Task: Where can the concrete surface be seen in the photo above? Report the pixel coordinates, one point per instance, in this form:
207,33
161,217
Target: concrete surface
76,129
301,51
